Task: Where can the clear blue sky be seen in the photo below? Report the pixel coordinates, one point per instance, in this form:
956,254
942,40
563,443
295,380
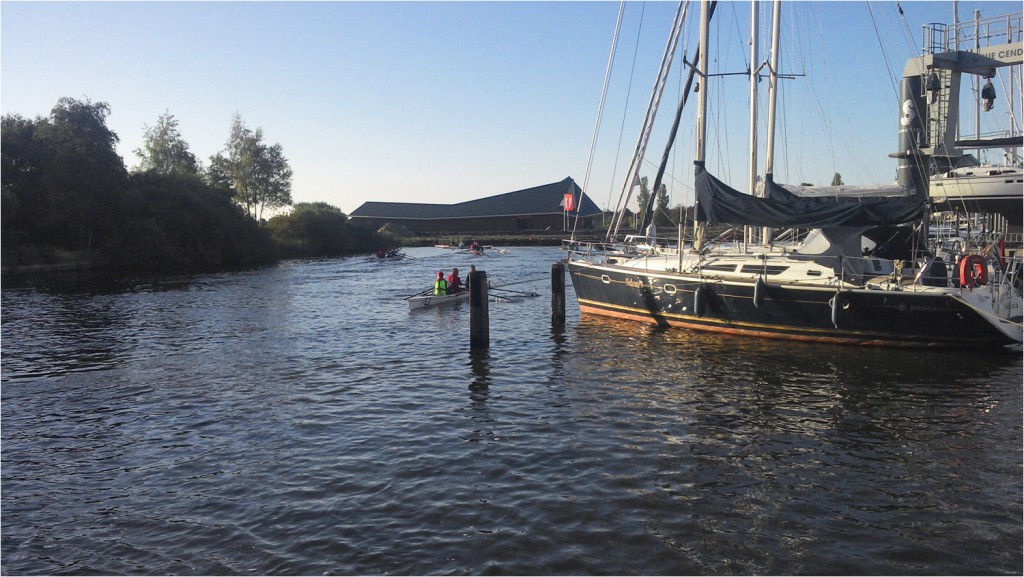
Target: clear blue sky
450,101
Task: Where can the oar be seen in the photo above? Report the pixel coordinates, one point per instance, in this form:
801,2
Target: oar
525,294
420,294
524,280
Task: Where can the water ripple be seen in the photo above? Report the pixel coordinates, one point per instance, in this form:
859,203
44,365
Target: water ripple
300,420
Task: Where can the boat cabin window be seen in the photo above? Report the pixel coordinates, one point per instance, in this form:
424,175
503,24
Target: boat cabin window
768,270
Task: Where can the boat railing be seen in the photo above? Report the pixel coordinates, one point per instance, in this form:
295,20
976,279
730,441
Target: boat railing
969,34
632,246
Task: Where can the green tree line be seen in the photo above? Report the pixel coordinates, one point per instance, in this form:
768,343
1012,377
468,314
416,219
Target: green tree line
664,216
67,195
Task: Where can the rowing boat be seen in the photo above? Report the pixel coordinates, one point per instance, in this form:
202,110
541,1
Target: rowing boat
424,300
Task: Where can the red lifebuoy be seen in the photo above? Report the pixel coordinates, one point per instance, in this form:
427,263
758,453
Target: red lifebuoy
973,271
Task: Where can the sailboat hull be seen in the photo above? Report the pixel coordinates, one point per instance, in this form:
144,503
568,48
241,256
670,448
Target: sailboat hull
889,318
988,189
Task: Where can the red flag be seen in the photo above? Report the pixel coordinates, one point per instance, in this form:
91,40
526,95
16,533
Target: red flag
568,202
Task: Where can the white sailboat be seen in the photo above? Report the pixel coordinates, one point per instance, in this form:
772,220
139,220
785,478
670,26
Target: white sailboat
973,187
958,181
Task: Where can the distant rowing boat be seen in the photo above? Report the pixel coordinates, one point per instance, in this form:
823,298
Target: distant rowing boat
384,255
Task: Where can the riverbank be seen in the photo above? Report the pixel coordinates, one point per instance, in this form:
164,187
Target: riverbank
32,260
44,262
537,239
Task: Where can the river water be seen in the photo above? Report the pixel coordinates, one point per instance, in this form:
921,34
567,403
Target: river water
299,419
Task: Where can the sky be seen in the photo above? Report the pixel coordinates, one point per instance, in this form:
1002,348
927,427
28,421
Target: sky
445,102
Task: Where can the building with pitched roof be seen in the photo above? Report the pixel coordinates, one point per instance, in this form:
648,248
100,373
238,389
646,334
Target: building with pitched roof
541,208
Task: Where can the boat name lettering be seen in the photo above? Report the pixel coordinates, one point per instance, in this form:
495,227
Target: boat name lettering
1003,53
634,283
918,308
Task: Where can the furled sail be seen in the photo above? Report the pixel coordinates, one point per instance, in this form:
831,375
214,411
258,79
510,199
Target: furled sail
717,202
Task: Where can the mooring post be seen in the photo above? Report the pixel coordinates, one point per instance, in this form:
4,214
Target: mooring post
557,294
479,329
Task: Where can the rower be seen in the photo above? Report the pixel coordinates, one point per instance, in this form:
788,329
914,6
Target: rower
440,285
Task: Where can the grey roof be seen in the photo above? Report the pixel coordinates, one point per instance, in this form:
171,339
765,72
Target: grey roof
545,199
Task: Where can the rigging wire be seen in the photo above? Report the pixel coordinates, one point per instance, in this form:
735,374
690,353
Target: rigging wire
649,118
600,108
881,48
829,125
789,150
907,34
718,123
684,41
739,34
888,66
625,108
833,118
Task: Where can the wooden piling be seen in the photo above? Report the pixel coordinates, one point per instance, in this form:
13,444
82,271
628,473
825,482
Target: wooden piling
479,323
557,294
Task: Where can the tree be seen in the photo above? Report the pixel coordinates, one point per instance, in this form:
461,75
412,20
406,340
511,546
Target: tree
837,180
176,222
318,229
683,213
661,215
86,172
272,179
258,174
164,151
643,197
21,174
61,175
65,190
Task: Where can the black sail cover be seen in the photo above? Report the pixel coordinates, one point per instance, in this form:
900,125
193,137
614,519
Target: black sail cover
717,202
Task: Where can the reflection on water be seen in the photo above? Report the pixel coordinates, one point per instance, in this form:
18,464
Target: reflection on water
299,419
808,448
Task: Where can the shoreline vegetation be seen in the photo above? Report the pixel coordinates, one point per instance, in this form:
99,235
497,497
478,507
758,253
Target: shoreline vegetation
70,204
55,261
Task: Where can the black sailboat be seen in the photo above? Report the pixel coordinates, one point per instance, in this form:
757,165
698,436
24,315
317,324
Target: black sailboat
863,275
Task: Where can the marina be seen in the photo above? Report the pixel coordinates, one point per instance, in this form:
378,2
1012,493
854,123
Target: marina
767,378
299,419
837,266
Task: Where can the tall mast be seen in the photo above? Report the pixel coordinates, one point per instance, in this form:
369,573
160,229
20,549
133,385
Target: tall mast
773,92
702,71
977,83
956,28
1010,154
754,58
700,227
773,95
